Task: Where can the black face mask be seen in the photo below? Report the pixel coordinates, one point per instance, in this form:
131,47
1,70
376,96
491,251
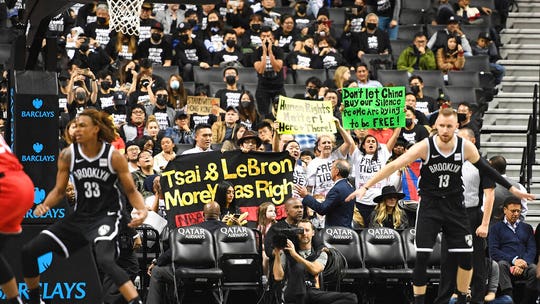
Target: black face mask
161,100
302,9
461,117
255,27
308,49
80,96
245,104
371,26
231,43
408,122
213,24
105,85
230,80
313,92
156,37
192,22
101,20
85,46
415,89
184,37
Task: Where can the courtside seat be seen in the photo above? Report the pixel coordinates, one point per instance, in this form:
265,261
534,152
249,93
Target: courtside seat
383,254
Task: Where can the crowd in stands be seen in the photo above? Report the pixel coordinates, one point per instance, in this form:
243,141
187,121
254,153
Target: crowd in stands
257,51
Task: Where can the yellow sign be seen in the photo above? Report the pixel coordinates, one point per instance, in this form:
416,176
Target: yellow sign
201,105
299,116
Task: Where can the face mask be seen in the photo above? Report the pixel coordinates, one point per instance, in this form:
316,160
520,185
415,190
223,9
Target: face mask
101,20
415,89
408,122
255,27
175,84
184,37
156,36
105,85
84,47
371,26
302,9
230,80
308,49
245,104
231,43
461,117
213,24
161,100
192,22
322,34
81,96
313,92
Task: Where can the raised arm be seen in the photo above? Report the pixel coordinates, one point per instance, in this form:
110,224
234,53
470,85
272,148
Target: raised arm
348,141
393,139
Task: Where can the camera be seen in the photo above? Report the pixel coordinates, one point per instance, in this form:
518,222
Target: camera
279,240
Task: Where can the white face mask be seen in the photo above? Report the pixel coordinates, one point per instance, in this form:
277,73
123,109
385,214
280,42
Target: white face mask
175,84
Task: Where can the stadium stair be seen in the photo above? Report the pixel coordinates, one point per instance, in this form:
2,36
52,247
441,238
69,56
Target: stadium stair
505,123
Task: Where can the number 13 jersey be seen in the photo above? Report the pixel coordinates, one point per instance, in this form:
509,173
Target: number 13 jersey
440,175
95,182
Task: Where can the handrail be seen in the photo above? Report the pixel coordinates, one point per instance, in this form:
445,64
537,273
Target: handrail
528,158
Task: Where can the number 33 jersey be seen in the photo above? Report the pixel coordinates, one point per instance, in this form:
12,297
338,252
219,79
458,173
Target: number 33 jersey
440,175
95,182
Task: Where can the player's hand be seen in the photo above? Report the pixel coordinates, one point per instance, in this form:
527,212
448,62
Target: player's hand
520,194
41,209
357,193
482,231
138,218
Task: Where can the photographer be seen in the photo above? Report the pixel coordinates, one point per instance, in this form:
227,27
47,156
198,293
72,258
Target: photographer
299,271
295,212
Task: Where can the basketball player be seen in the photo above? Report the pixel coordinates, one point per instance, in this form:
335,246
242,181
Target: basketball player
16,197
94,166
441,205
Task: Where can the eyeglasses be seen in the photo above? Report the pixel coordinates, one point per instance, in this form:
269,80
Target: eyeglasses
137,112
514,210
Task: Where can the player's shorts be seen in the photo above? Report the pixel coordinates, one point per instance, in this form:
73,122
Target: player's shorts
16,198
447,214
74,232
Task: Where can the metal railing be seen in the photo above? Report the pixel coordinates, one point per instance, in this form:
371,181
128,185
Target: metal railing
528,158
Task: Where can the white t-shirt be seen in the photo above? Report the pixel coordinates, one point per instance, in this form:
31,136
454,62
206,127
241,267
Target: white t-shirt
318,173
365,168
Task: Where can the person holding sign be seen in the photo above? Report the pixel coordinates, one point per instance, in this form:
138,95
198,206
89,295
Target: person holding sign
95,167
441,190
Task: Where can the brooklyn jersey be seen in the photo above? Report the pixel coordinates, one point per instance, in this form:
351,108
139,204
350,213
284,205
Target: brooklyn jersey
440,175
94,180
8,161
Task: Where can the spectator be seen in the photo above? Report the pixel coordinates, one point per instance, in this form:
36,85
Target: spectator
329,56
440,38
417,56
212,36
266,134
388,12
144,81
191,17
146,21
132,155
302,20
134,128
387,213
410,101
170,18
104,98
160,108
512,245
226,199
302,57
450,57
180,133
166,155
322,28
485,46
156,48
251,38
231,54
119,109
313,88
498,162
152,127
269,66
295,213
89,55
250,141
269,14
203,139
287,33
145,162
122,47
224,129
341,75
355,17
99,30
413,132
190,52
362,77
238,16
467,120
230,96
425,104
371,41
471,15
247,111
177,92
232,144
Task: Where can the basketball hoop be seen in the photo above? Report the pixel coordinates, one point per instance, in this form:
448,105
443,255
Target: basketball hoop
125,16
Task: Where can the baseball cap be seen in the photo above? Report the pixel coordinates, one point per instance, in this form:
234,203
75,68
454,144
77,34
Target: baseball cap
180,115
157,26
184,26
231,108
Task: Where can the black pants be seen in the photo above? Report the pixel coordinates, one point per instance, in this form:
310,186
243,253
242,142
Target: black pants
265,97
315,296
529,275
449,264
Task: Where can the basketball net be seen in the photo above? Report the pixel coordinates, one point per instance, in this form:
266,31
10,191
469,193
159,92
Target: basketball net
125,16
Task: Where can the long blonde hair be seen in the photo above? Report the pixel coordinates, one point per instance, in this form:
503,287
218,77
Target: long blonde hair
381,214
338,76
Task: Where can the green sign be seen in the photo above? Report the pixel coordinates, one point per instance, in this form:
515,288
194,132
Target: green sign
373,108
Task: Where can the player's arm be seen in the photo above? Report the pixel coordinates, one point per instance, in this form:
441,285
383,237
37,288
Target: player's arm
419,150
120,165
489,198
59,190
472,155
